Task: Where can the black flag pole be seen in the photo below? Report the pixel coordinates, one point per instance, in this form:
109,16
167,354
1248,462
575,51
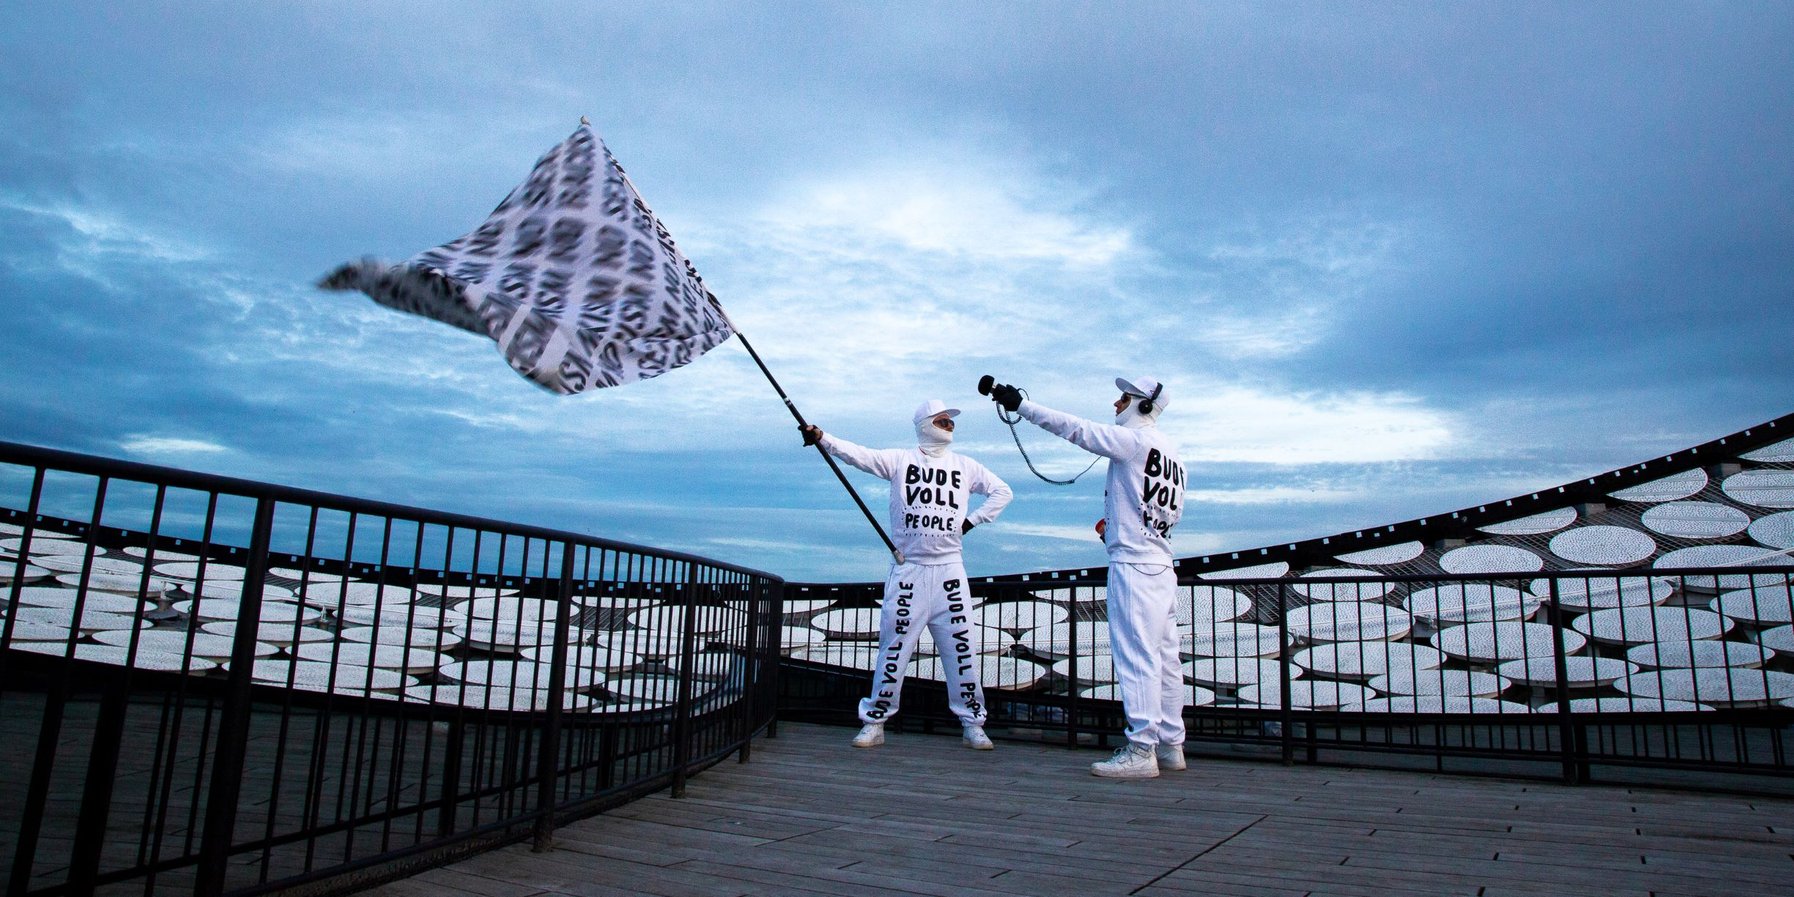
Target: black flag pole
792,407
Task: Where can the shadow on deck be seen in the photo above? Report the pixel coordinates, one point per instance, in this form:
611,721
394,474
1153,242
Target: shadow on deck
922,815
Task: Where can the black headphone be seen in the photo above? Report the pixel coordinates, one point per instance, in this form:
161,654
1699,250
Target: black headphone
1146,403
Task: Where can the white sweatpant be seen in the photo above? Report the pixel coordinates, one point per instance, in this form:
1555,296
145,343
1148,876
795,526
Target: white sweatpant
1143,637
938,597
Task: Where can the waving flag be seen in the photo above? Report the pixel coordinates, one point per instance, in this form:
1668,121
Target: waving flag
572,275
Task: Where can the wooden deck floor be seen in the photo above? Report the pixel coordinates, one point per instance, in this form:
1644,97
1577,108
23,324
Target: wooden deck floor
922,815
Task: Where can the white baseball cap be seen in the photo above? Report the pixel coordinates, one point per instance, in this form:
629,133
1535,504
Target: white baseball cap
930,409
1143,387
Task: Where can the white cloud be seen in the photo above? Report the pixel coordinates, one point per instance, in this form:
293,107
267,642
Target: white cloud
1243,424
169,445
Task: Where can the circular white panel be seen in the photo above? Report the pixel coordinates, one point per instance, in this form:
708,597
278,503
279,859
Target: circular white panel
1765,604
230,609
648,643
706,664
1316,694
111,582
1465,602
1235,671
508,637
1536,524
1632,704
1780,638
162,554
1725,556
1763,488
522,675
793,606
1437,704
1092,636
1780,453
1341,591
509,609
1670,488
31,573
116,656
1474,559
1022,614
191,570
416,636
1438,681
1204,605
860,621
74,563
309,577
1504,640
1606,591
1718,686
53,596
1579,672
1695,520
91,620
1611,545
646,687
860,656
232,590
486,698
1388,554
1348,621
418,615
706,619
1362,660
799,637
586,657
1091,668
1704,653
43,545
416,661
330,595
1274,570
282,635
1774,530
174,641
1194,695
1643,625
1231,639
993,672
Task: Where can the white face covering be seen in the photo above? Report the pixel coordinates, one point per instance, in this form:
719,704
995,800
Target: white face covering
932,440
1131,417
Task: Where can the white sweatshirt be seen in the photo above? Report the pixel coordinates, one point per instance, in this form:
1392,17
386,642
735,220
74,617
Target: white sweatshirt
929,496
1145,494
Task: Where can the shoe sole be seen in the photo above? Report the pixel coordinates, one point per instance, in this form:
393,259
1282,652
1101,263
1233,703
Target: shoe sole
1125,775
980,747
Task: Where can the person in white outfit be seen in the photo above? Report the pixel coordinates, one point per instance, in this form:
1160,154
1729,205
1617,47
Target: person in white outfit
1144,500
931,486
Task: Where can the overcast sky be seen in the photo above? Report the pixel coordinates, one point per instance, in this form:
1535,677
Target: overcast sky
1390,259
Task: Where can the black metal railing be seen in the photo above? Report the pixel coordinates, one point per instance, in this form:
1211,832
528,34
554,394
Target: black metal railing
1583,674
223,687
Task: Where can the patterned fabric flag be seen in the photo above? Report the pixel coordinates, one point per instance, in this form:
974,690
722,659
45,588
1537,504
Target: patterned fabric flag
578,282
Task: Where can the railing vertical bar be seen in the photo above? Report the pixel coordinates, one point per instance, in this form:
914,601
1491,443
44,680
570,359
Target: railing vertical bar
1287,737
233,736
548,757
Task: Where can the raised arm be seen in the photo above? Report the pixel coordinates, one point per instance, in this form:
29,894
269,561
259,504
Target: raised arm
1108,440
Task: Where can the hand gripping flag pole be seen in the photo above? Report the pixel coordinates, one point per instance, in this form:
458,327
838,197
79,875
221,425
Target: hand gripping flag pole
574,278
792,407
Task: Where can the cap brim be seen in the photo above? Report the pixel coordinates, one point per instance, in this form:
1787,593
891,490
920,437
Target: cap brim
1129,388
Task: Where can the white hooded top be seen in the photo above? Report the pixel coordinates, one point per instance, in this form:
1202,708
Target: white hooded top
1145,494
930,490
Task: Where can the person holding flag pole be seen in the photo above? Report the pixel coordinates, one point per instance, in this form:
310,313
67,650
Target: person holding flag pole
930,509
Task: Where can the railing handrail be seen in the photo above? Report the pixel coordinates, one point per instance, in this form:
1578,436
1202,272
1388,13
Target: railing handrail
95,465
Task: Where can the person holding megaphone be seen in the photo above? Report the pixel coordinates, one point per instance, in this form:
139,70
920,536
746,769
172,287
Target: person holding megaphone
1143,501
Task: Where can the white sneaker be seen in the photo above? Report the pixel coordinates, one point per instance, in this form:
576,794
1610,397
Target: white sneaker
1131,761
1170,756
974,738
871,735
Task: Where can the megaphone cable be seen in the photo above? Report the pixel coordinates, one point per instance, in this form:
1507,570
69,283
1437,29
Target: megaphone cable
1014,419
